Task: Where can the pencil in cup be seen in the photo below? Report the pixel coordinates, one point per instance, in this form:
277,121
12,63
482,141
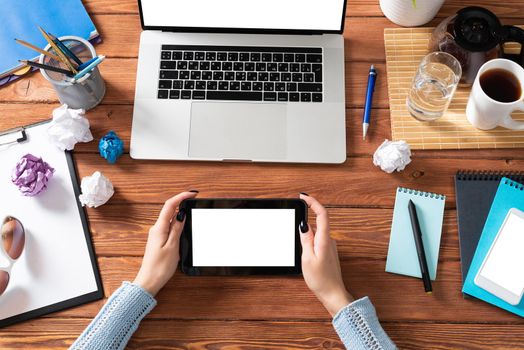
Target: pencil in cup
84,93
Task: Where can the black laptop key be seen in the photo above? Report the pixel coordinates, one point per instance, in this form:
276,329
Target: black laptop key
258,86
200,85
280,86
245,86
269,86
261,67
186,94
174,94
232,56
204,65
294,67
294,97
255,57
199,95
305,67
164,84
272,67
249,66
291,87
296,77
289,57
222,56
223,85
212,85
188,56
252,76
234,95
270,96
285,76
177,55
168,74
229,75
200,56
166,55
283,67
317,97
240,76
263,76
195,75
184,74
300,57
305,87
181,65
168,65
218,75
238,66
207,75
227,66
234,86
274,76
266,57
311,58
309,77
243,56
278,57
283,97
211,56
189,85
305,97
216,65
178,84
163,93
193,65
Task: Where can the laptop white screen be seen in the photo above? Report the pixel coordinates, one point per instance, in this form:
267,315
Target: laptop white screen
317,15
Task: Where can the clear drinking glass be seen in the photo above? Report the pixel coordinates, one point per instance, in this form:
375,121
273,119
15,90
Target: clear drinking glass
433,86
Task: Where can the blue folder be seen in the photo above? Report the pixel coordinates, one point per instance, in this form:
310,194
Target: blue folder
510,194
20,19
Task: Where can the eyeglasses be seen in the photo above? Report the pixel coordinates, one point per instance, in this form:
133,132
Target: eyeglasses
12,245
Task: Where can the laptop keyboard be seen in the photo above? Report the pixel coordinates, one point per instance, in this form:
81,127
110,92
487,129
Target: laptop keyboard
278,74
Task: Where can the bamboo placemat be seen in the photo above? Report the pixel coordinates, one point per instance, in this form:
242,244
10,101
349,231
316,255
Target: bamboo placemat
405,48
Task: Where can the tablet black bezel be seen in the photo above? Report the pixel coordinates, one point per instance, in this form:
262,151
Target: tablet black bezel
186,243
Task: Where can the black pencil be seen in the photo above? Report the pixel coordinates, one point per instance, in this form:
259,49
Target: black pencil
47,67
417,234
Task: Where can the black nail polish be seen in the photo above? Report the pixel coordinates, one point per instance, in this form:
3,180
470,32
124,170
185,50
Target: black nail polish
181,215
303,227
194,191
304,193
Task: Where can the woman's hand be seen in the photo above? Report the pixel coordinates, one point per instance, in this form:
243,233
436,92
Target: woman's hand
162,249
320,263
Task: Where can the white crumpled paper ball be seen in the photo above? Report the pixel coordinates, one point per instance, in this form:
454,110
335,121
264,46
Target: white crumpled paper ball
96,190
69,126
392,155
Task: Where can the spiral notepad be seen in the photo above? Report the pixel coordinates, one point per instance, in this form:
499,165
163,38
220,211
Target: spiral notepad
475,191
402,253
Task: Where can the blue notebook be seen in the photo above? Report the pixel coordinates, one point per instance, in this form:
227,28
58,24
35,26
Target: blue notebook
402,253
510,194
20,19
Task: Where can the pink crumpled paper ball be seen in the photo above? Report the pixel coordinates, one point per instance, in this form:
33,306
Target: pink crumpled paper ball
31,175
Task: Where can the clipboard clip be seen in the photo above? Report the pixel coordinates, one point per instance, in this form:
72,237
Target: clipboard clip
9,137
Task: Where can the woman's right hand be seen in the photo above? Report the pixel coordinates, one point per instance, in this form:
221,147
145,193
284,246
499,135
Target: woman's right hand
320,263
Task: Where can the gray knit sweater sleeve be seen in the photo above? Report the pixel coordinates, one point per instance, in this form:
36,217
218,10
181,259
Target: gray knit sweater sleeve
118,320
358,327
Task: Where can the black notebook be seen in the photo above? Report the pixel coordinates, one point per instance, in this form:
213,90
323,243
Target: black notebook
475,192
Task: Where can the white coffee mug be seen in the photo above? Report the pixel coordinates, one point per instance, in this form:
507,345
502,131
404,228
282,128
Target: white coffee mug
485,113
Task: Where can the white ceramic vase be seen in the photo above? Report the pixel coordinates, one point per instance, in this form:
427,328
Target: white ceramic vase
402,12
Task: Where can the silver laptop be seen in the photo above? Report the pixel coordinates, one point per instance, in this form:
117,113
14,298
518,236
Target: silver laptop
238,80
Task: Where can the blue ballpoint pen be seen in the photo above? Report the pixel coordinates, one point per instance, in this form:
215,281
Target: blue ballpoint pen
89,68
369,100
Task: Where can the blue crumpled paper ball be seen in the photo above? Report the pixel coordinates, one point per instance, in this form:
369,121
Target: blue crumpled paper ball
111,147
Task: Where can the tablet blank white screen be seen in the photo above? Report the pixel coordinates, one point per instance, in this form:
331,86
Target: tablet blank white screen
505,262
243,237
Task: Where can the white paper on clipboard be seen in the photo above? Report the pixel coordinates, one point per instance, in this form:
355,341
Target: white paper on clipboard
56,264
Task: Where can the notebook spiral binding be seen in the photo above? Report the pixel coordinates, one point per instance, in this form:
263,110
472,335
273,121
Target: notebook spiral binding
518,186
489,175
421,193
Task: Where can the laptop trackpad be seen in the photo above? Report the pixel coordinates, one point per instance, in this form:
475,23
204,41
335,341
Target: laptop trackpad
238,131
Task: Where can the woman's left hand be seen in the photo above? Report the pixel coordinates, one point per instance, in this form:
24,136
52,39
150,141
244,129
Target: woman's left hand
162,249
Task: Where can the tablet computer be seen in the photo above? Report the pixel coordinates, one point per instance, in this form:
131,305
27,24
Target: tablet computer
242,236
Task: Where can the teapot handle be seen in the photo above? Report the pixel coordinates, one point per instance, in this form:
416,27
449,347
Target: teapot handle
513,34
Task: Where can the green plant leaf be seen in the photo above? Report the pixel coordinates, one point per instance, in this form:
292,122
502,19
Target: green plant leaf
414,3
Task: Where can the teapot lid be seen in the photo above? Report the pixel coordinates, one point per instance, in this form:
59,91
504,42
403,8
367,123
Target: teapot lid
477,29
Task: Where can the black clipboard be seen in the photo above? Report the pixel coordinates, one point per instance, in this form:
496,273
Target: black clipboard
82,299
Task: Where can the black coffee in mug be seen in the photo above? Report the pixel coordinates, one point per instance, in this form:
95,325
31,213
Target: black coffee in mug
501,85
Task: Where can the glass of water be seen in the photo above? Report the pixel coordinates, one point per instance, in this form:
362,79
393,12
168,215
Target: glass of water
433,86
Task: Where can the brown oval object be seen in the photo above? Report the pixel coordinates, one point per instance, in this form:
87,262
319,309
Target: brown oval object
4,281
501,85
13,237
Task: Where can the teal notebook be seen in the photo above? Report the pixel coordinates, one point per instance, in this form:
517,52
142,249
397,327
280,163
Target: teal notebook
402,253
510,194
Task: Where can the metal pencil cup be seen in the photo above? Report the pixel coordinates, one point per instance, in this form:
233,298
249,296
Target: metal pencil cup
85,93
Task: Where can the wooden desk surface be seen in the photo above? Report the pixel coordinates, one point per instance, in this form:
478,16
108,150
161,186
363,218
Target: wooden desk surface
271,313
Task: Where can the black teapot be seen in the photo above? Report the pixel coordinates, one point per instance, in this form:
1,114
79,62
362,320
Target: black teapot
474,35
